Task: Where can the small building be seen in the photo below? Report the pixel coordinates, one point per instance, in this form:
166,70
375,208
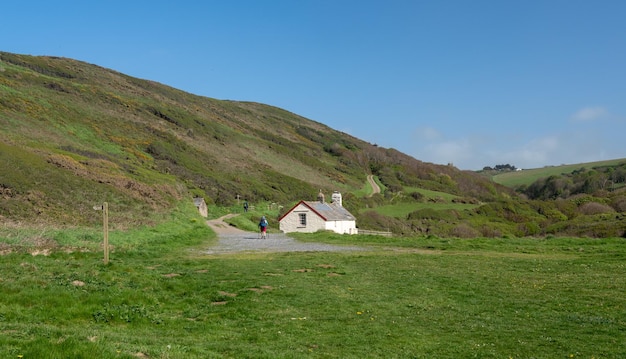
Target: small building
313,216
201,206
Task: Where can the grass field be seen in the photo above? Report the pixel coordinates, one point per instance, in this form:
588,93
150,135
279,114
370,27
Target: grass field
161,297
401,210
526,177
432,200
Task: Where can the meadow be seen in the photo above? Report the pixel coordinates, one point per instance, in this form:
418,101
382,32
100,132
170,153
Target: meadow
161,296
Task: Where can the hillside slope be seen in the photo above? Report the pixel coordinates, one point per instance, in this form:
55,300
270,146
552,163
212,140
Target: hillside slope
75,134
528,176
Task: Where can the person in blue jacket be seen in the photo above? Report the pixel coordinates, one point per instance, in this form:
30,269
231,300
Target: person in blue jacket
263,227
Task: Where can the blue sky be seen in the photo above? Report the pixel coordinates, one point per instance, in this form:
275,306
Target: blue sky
473,83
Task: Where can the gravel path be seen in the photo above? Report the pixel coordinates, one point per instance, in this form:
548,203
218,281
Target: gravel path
234,240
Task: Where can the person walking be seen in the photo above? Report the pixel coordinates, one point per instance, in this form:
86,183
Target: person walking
263,226
245,206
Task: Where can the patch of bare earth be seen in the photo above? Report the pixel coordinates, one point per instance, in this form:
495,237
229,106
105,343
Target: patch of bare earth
221,227
326,266
227,294
302,270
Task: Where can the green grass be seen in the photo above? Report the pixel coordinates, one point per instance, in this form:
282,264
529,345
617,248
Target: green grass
432,200
431,195
161,297
367,189
401,210
527,177
249,221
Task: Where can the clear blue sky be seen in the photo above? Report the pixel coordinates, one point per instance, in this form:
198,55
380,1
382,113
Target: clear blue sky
473,83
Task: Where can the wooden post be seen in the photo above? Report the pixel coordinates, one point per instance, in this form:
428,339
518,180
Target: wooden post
105,223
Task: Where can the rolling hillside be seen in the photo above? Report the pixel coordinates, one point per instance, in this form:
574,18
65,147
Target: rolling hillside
75,134
528,176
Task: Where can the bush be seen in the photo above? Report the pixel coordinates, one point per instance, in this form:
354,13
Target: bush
429,213
463,230
619,204
528,229
591,208
490,231
465,200
375,221
597,226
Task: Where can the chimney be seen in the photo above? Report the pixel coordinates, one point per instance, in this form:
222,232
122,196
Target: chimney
320,197
336,198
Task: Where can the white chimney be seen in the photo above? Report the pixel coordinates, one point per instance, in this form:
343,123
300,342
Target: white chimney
336,198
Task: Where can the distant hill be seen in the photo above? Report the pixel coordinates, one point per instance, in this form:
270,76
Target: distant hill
76,134
528,176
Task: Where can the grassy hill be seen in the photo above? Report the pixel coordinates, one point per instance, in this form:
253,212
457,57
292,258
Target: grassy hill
528,176
75,135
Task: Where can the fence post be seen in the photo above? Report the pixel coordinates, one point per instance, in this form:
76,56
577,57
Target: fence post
105,223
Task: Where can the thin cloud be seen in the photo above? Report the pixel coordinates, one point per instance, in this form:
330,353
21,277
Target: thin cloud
446,151
535,153
428,134
590,114
579,139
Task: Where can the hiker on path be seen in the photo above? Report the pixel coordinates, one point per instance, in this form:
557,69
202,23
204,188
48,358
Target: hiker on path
245,206
263,227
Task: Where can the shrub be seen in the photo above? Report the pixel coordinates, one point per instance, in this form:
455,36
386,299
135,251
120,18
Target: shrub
550,210
417,196
567,207
591,208
430,213
619,204
528,229
490,231
465,200
376,221
463,230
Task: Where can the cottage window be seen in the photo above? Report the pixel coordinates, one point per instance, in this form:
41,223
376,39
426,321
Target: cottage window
302,219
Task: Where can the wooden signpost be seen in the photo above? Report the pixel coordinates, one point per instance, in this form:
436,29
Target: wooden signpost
105,223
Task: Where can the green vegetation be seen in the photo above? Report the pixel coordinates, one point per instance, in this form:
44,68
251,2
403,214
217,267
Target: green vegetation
475,269
528,176
75,135
161,297
402,210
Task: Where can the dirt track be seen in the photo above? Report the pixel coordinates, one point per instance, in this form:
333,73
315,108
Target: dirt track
375,188
221,228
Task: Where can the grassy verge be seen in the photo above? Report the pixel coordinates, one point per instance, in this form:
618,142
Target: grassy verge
161,297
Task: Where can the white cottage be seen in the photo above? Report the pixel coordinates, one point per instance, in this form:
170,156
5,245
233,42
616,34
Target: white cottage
308,217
